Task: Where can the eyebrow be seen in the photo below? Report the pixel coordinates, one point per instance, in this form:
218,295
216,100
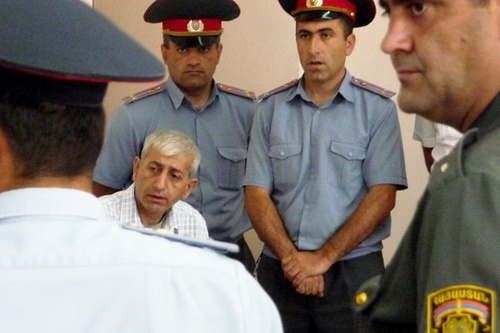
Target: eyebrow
385,5
313,32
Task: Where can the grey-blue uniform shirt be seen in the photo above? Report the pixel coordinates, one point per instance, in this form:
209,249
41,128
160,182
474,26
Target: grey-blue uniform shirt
221,130
319,162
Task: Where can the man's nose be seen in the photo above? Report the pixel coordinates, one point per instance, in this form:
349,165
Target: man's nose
193,56
314,44
398,36
160,182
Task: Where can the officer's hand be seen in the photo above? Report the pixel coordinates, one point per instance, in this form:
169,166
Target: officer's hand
301,265
314,285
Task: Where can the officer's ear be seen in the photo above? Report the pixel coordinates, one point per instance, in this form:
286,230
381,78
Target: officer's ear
219,51
351,42
7,165
164,49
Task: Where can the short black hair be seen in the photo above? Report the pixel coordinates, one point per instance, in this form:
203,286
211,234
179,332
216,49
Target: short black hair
48,139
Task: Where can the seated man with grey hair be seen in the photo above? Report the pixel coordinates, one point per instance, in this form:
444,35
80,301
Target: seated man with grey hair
163,176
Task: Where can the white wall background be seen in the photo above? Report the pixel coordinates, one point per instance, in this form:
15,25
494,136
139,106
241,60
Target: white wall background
259,54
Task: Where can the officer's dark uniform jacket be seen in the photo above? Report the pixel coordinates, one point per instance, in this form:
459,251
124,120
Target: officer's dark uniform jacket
445,276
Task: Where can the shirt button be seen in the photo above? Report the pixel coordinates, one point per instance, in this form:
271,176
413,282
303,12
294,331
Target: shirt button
282,153
350,154
444,167
361,298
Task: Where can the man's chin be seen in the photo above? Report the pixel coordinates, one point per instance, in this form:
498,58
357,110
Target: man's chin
195,84
412,100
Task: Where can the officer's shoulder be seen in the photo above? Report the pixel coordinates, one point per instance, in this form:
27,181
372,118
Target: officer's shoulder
372,87
218,246
236,91
279,89
144,93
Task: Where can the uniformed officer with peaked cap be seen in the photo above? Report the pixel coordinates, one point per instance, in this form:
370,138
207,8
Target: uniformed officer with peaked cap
217,117
361,12
60,259
326,152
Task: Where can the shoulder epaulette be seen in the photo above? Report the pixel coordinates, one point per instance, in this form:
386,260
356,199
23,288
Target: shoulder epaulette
236,91
278,89
373,88
144,93
222,247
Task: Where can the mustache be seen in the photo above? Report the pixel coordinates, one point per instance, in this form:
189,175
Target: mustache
194,67
406,62
157,195
314,59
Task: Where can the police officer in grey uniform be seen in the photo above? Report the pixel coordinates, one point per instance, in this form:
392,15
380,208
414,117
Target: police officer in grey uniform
325,162
216,116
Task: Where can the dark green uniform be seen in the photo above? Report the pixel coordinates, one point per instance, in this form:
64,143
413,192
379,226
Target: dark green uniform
445,276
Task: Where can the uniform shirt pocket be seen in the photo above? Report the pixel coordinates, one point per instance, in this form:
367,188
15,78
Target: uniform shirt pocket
231,167
285,159
347,161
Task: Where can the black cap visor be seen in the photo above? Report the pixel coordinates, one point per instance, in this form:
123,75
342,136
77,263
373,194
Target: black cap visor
317,15
54,90
194,41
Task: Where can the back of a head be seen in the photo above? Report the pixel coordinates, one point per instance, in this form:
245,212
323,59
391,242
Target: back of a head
63,267
56,59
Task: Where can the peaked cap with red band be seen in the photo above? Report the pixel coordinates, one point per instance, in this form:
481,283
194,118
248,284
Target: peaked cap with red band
68,54
361,12
192,18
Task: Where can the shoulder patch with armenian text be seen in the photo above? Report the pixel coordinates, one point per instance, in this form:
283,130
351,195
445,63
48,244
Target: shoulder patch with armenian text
462,308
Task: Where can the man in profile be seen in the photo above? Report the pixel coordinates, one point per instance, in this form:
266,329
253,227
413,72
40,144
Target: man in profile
62,267
445,274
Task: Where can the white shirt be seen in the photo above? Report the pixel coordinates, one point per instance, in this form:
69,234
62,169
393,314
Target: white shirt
440,137
182,219
62,269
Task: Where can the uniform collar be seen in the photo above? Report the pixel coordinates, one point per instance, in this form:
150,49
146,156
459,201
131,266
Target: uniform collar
345,90
451,166
490,118
50,201
178,97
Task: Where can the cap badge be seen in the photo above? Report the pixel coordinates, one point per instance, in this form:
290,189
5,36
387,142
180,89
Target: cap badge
314,3
195,26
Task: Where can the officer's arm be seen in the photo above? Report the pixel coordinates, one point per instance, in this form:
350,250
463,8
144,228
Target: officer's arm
267,222
375,206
